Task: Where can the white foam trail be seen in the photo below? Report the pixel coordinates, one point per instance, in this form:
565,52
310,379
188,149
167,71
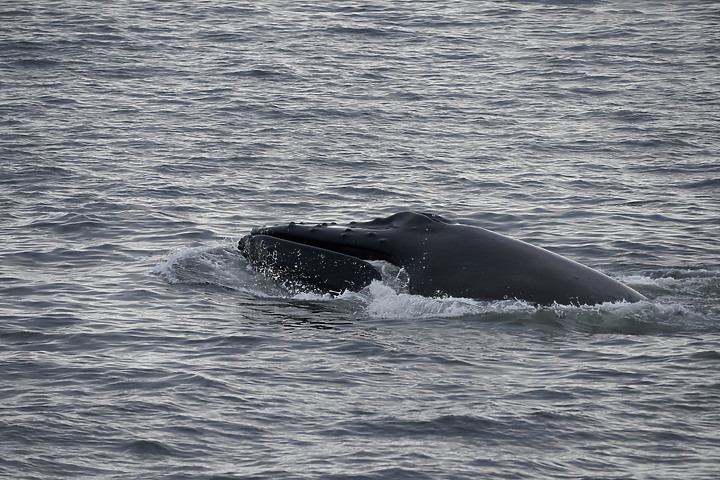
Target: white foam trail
642,280
383,301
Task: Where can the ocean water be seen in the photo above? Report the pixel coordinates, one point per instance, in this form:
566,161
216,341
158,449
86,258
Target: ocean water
140,140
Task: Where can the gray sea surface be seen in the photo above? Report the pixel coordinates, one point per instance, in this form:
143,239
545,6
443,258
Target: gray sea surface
140,140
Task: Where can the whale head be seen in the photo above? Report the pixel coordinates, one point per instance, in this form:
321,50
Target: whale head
330,257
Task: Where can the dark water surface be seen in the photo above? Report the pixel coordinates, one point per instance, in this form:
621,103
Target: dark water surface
140,140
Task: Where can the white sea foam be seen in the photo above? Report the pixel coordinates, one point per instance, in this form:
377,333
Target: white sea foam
643,280
381,300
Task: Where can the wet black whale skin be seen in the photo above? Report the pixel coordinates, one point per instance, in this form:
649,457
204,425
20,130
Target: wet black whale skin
441,258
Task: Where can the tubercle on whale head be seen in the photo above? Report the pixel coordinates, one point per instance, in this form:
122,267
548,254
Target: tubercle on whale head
372,240
402,220
363,245
407,219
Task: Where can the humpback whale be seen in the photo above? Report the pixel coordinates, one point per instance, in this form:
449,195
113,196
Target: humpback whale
441,258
